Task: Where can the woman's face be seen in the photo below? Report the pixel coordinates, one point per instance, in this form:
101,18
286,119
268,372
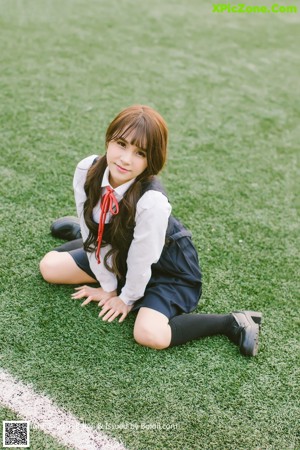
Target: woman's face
125,161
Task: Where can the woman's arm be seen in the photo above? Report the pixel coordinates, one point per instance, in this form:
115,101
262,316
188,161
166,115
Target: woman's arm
153,211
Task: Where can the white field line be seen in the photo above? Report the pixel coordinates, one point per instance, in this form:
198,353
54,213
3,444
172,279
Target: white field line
44,415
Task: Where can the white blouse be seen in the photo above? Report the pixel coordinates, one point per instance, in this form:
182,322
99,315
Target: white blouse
152,214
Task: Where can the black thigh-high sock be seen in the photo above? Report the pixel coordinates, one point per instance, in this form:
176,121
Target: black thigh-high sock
188,327
70,245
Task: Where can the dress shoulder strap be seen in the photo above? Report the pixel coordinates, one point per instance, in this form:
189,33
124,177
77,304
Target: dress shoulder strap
176,230
154,184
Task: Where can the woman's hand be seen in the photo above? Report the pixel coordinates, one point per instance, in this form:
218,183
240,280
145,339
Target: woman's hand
113,308
93,295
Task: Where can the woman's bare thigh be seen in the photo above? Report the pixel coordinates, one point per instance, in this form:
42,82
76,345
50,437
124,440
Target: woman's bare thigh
60,268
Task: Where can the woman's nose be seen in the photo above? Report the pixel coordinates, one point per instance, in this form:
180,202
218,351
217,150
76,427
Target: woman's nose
126,157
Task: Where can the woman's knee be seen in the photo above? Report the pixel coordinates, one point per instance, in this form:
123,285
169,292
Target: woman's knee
144,335
49,266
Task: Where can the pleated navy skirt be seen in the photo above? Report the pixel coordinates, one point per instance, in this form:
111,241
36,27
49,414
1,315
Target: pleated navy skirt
175,285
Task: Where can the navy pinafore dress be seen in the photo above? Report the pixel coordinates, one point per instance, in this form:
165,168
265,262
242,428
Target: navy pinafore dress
175,285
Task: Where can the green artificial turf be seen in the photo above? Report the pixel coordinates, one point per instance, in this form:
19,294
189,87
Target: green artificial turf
228,86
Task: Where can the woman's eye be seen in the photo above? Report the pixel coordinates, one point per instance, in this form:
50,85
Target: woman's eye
121,143
141,153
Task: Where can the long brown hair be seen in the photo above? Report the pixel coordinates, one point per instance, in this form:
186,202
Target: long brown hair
149,131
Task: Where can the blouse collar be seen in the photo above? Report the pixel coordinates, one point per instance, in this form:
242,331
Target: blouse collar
120,190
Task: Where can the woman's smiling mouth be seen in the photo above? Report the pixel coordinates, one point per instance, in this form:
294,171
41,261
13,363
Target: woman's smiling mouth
121,169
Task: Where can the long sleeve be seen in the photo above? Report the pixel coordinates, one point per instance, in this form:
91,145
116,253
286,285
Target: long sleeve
107,280
152,214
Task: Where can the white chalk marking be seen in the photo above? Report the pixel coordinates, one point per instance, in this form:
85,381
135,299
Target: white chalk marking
43,414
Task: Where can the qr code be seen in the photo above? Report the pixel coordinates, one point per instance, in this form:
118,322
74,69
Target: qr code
15,433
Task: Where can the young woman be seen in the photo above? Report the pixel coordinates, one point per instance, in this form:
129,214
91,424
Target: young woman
142,257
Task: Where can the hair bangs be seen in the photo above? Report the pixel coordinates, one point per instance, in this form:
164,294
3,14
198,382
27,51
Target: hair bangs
139,134
137,130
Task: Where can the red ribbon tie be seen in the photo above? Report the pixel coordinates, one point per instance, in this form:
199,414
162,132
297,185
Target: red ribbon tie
108,203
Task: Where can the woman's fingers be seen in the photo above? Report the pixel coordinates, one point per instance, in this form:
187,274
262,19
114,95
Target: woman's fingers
86,291
82,291
109,314
87,301
103,301
103,311
124,315
80,287
112,317
107,311
78,295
